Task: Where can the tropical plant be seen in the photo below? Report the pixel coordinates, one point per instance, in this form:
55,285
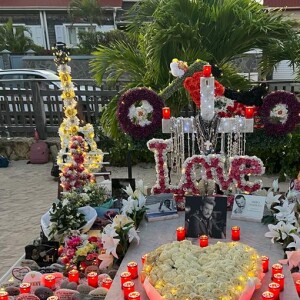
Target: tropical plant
14,38
217,31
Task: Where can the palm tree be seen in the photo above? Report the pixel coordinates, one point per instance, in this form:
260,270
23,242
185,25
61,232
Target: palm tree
217,31
14,39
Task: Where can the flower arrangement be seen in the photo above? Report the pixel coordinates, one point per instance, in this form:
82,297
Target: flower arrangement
180,270
134,207
140,115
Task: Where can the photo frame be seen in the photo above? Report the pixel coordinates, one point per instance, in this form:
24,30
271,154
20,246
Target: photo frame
117,190
248,207
206,215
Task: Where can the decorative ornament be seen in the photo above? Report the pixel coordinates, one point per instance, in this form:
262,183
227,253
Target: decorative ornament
280,113
142,121
178,67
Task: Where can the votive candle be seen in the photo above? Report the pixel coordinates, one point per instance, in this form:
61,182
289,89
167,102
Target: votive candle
144,258
132,267
235,233
73,275
128,287
106,282
203,241
265,263
249,112
134,296
180,233
25,288
207,70
50,281
3,295
166,112
92,279
276,268
297,284
125,276
274,287
279,278
267,295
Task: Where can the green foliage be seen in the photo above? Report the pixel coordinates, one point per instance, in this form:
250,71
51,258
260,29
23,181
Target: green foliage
279,155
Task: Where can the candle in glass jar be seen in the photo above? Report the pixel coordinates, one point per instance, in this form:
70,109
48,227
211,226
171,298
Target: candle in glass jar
203,241
235,233
144,258
50,281
275,289
276,268
180,233
132,267
25,288
166,112
265,263
3,295
128,287
125,276
297,284
73,275
267,295
207,70
134,296
92,279
106,282
279,278
249,112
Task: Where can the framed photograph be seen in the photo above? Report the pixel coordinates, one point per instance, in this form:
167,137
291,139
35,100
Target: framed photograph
117,190
206,215
248,207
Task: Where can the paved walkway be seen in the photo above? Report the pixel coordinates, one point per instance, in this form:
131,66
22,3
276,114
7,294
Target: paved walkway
27,192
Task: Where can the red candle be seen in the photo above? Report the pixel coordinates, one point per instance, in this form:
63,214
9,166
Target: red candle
92,279
107,282
235,233
267,295
166,112
279,278
203,241
125,276
275,289
3,295
249,112
207,70
297,284
25,288
73,275
50,281
144,258
134,295
276,268
128,287
265,263
132,267
180,233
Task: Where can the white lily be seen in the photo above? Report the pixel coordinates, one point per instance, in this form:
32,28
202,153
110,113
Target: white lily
273,233
271,198
132,234
128,206
107,260
128,190
295,243
110,244
286,212
275,186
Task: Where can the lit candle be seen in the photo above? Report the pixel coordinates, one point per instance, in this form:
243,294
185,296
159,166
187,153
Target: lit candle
297,284
207,70
265,263
125,276
25,288
73,275
275,289
279,278
235,233
249,111
107,282
128,287
50,281
92,279
180,233
144,258
132,267
3,295
134,295
267,296
276,268
203,241
166,112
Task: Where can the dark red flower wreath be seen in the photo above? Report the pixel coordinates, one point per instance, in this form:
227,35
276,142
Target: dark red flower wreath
293,107
131,97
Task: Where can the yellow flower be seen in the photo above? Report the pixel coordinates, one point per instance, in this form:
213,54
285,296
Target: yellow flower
68,94
65,78
74,129
70,112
